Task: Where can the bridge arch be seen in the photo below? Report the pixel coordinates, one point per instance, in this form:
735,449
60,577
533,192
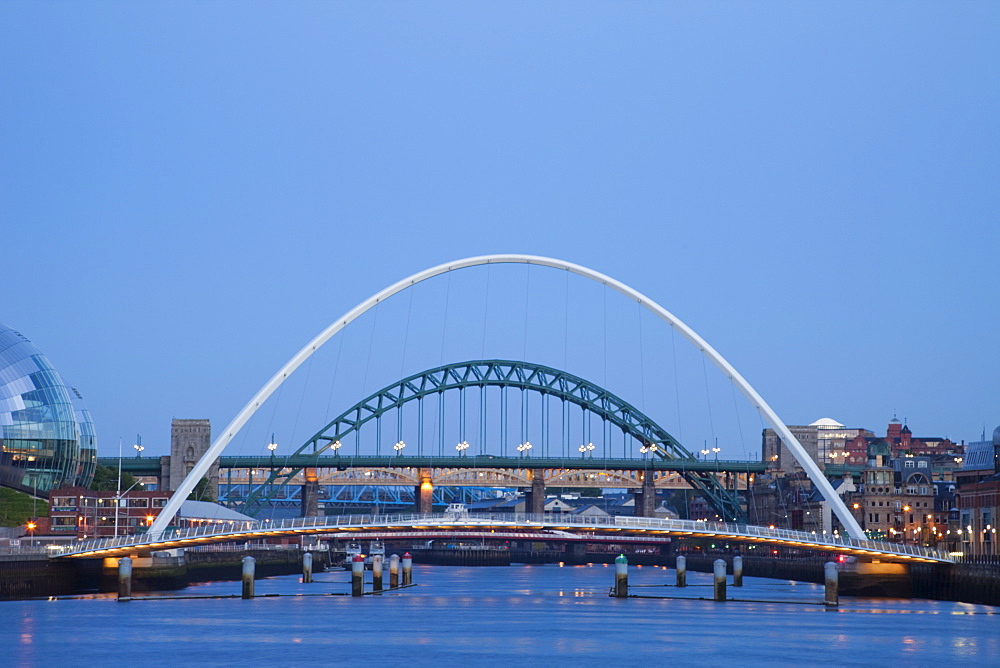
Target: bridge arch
524,376
802,457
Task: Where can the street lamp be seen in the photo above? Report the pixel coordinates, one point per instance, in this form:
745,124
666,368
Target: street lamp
704,453
336,445
462,447
524,448
399,447
716,450
272,446
138,449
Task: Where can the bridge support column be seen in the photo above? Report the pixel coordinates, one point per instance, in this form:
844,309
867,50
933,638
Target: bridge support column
310,494
645,498
534,501
423,495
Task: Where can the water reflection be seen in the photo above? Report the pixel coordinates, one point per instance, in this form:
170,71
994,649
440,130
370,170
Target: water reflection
537,614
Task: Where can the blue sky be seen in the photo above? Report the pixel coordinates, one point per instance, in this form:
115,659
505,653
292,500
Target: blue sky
190,191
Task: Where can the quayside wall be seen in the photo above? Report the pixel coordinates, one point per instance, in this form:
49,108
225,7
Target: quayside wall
965,582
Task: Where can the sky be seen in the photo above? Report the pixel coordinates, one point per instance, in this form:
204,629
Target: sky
190,191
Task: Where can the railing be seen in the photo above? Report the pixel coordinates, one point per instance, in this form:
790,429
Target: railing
236,530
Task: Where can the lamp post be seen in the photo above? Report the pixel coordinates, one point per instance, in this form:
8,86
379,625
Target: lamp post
524,448
399,447
462,447
336,445
138,447
272,446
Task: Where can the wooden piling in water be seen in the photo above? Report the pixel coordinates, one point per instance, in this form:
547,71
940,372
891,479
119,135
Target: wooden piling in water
719,572
621,577
307,567
393,570
682,571
407,569
125,579
831,577
249,567
377,572
737,571
357,575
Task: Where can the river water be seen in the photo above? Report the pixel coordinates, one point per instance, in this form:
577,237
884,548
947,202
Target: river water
483,616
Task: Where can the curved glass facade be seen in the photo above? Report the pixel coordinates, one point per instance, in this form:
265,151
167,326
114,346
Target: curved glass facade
47,438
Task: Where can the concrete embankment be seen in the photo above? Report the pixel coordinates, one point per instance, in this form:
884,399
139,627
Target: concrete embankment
965,582
31,576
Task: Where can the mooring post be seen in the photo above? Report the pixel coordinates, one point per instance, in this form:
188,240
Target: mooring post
307,567
125,579
407,569
249,566
377,572
357,575
621,577
737,571
719,570
832,579
682,571
393,570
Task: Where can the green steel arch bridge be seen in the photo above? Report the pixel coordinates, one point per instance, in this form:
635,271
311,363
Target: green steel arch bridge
647,454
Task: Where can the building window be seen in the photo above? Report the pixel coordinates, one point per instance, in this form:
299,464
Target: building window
138,503
159,503
922,464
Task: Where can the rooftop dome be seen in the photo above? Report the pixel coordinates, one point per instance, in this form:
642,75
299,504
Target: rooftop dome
46,436
828,423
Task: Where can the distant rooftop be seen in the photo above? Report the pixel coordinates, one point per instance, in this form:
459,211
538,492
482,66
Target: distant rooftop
829,423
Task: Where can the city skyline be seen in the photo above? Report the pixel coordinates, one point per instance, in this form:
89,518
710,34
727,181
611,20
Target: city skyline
813,194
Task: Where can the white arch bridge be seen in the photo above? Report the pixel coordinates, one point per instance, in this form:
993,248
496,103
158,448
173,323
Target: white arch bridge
552,526
847,519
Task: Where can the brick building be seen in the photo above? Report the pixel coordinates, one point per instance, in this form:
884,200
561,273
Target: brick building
86,513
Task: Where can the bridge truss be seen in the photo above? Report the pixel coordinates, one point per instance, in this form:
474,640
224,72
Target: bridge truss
652,443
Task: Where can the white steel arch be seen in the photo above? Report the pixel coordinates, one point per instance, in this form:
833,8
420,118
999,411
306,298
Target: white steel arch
805,461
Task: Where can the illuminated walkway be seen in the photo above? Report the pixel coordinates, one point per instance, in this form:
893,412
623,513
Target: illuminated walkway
553,526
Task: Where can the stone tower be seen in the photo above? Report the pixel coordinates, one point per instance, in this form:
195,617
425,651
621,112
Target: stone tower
189,440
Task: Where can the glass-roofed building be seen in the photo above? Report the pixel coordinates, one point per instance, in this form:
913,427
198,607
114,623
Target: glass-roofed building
47,437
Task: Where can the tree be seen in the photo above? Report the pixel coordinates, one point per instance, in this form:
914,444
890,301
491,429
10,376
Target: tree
202,491
106,480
